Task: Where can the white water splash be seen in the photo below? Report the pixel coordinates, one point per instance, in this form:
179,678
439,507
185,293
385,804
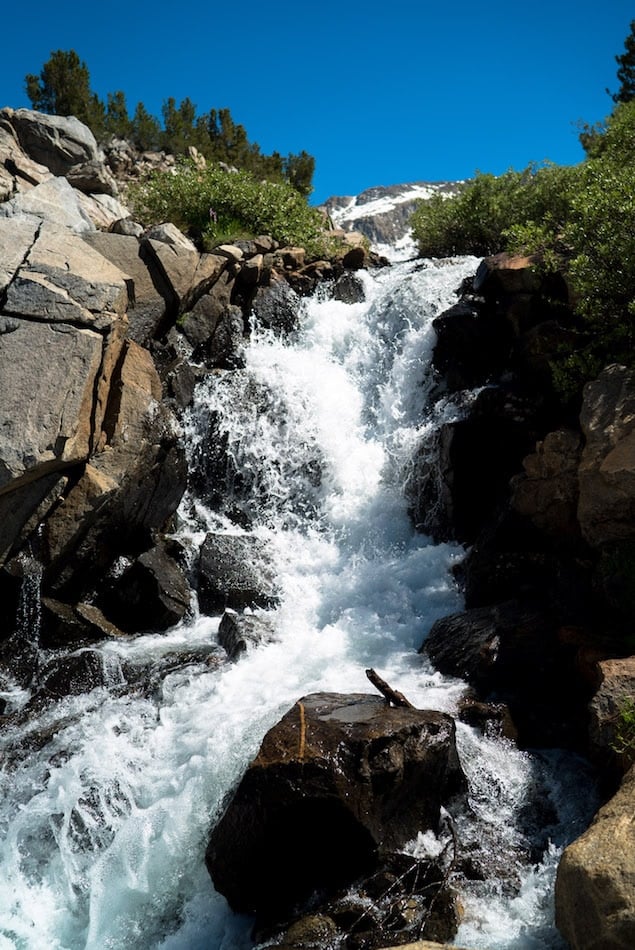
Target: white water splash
106,813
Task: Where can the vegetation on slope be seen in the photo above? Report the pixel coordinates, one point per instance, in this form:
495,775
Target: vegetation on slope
213,205
63,88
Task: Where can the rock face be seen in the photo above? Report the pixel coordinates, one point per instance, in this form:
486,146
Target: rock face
338,780
550,574
238,633
595,885
606,509
58,142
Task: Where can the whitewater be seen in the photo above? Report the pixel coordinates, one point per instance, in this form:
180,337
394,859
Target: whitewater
107,798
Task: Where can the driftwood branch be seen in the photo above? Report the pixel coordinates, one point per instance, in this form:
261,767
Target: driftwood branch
391,695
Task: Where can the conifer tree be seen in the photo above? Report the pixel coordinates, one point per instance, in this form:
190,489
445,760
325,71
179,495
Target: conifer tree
626,71
117,121
146,130
63,88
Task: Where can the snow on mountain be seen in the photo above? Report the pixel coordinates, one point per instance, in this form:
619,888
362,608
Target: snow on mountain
383,213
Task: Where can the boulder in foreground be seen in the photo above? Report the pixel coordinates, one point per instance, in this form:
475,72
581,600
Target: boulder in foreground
595,886
339,780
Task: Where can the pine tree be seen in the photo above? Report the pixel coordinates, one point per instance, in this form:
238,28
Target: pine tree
626,71
117,120
298,170
63,88
146,130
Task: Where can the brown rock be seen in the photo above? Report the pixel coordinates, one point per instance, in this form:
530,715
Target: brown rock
339,778
595,884
548,491
615,692
606,509
507,274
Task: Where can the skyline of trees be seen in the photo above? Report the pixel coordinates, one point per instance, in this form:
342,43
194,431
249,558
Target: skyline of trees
62,87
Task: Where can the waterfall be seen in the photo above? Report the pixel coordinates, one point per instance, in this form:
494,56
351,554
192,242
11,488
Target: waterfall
107,798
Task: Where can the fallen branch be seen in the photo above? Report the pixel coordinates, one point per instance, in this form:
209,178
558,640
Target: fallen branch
391,695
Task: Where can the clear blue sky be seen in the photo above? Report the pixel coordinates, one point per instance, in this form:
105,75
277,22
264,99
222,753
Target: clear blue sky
379,93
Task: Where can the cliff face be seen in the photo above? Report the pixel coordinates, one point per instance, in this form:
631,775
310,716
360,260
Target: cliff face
98,321
543,492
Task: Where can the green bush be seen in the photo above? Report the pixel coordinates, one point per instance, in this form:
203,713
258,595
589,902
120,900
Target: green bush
214,205
480,219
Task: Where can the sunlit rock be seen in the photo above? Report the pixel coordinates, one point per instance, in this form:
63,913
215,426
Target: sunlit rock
595,885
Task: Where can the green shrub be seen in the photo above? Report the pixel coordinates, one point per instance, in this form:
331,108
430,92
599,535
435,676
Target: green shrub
482,217
213,205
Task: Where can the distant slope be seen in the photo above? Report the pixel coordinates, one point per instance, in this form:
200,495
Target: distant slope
383,213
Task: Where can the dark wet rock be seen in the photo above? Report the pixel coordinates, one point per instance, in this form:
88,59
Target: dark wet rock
461,474
19,657
473,345
73,674
348,288
513,651
238,633
147,677
356,258
492,719
277,307
340,779
150,594
235,571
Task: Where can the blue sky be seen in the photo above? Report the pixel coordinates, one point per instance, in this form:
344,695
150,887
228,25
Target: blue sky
379,93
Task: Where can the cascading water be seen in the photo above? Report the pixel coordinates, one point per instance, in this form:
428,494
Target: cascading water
107,797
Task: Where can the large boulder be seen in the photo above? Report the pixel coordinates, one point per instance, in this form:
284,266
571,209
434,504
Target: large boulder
55,201
58,142
45,424
277,307
595,884
606,509
62,278
339,779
